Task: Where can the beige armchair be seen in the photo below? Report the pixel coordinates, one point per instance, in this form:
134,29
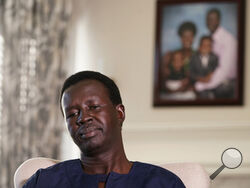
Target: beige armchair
192,175
29,167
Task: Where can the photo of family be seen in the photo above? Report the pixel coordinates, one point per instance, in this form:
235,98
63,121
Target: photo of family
198,59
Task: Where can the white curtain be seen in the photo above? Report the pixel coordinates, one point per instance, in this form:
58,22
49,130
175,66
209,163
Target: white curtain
31,73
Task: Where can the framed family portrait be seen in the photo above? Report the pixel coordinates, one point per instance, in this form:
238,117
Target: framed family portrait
199,52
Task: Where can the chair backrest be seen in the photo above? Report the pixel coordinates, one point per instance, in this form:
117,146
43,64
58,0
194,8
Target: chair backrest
192,175
29,167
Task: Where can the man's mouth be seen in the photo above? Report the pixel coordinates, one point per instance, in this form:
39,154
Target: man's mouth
89,132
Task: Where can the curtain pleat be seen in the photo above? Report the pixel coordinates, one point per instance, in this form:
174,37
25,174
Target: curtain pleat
34,34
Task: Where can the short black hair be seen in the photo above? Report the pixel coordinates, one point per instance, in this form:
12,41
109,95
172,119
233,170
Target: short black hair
206,37
113,91
186,26
216,11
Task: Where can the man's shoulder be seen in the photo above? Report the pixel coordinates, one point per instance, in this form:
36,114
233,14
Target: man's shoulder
158,175
212,55
51,175
223,35
61,165
195,57
154,170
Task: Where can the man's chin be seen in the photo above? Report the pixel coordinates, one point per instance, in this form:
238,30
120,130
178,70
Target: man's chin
89,147
212,29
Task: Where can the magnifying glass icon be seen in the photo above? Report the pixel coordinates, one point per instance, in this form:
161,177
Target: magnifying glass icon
231,158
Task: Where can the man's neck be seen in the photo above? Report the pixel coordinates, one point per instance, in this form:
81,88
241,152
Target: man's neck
104,163
214,31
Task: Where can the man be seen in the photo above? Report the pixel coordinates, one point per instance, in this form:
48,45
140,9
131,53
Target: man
225,47
94,114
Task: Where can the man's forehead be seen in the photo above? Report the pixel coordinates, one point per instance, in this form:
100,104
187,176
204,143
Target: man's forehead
86,88
86,85
213,14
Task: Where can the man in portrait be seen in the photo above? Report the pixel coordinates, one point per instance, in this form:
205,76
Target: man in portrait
223,81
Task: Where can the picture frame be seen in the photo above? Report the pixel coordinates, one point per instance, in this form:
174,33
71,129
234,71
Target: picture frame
199,52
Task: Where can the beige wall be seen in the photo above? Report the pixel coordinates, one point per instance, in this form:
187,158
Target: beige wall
117,38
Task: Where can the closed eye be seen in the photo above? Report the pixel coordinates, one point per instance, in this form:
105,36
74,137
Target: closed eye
70,115
94,107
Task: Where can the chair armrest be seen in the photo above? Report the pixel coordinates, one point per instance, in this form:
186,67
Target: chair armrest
29,167
193,175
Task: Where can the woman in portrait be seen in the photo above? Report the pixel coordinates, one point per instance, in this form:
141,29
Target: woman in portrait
170,82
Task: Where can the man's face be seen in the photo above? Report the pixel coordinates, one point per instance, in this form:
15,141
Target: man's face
206,47
212,21
92,120
187,38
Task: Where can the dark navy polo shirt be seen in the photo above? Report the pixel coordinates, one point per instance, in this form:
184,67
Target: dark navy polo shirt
69,174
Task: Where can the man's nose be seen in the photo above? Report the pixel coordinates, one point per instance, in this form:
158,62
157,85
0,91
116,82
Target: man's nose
84,118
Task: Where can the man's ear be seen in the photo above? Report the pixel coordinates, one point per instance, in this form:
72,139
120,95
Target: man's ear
120,112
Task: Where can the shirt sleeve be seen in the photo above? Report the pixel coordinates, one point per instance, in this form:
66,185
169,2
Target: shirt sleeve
161,178
32,181
179,183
